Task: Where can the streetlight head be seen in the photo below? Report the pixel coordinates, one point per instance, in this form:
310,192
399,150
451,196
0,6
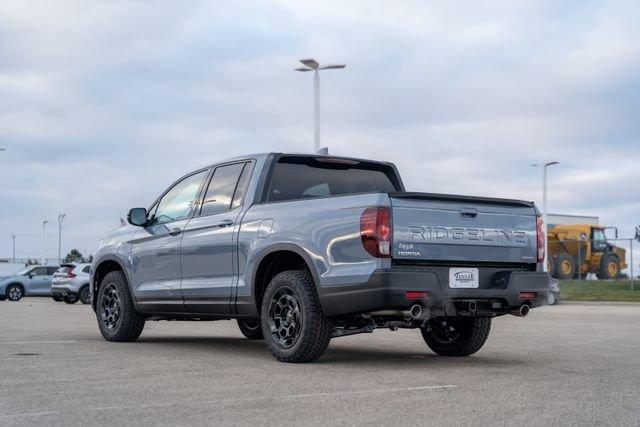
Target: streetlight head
311,63
303,69
332,66
551,163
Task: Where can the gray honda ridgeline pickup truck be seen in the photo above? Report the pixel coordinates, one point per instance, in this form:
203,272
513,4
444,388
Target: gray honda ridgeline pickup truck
304,248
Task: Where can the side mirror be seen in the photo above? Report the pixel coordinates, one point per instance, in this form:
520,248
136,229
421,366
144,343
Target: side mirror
30,275
137,216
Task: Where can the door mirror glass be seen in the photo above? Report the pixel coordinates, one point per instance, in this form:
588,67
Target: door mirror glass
137,216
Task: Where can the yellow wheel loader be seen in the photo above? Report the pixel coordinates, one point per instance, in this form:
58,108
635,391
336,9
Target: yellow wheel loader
578,249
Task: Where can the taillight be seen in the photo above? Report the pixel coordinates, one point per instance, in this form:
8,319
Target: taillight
66,272
540,237
527,295
375,231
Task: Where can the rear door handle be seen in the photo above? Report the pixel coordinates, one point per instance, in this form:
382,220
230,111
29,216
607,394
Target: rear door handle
175,231
225,223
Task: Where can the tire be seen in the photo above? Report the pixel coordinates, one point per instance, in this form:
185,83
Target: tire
609,267
565,266
57,298
467,336
551,299
551,266
118,319
85,295
251,329
293,324
14,292
70,299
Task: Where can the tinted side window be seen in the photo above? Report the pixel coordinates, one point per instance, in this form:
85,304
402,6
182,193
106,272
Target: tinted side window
51,270
241,188
87,269
40,271
221,189
177,203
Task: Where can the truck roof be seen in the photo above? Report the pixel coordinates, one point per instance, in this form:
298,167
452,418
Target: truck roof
264,155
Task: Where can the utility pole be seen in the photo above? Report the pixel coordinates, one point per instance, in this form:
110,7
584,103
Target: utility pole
544,209
13,238
313,65
60,219
44,223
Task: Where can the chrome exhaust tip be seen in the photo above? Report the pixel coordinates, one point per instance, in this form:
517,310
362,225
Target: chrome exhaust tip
522,311
416,311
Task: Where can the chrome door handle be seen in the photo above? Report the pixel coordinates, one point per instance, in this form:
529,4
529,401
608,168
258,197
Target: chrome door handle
175,231
225,223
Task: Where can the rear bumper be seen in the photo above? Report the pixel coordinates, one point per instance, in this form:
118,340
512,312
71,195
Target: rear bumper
63,290
386,289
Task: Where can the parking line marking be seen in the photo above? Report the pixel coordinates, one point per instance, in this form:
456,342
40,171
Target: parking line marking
355,392
284,397
38,342
30,414
249,399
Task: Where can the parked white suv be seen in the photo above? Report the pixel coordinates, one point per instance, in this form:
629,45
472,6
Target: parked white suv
71,283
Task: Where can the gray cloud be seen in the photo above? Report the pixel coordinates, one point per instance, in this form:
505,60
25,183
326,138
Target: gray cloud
102,104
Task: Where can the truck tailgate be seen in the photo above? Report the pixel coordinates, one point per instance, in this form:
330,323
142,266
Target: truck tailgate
436,227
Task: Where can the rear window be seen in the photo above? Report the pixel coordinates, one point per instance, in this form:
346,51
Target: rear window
308,177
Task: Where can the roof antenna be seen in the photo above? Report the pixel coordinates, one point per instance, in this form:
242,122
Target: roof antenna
324,151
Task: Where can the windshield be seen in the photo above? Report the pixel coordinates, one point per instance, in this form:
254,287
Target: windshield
24,271
598,234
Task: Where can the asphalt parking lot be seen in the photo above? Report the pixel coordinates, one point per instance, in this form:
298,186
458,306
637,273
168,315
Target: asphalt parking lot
568,364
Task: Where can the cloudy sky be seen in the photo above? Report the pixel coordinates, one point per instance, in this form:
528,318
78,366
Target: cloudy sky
103,104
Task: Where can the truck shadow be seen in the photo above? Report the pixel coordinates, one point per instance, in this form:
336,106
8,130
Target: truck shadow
355,355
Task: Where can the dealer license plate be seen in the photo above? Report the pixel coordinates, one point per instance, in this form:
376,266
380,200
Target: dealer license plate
463,277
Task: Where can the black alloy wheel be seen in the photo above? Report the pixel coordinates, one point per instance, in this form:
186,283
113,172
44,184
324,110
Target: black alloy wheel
111,308
285,318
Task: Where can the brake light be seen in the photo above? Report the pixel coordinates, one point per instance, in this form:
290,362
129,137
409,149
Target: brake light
66,272
527,295
540,237
375,231
415,294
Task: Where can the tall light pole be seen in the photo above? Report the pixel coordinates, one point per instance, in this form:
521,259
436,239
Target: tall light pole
13,238
60,219
544,208
313,65
44,223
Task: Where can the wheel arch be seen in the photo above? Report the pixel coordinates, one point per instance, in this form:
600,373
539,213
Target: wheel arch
276,259
104,267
